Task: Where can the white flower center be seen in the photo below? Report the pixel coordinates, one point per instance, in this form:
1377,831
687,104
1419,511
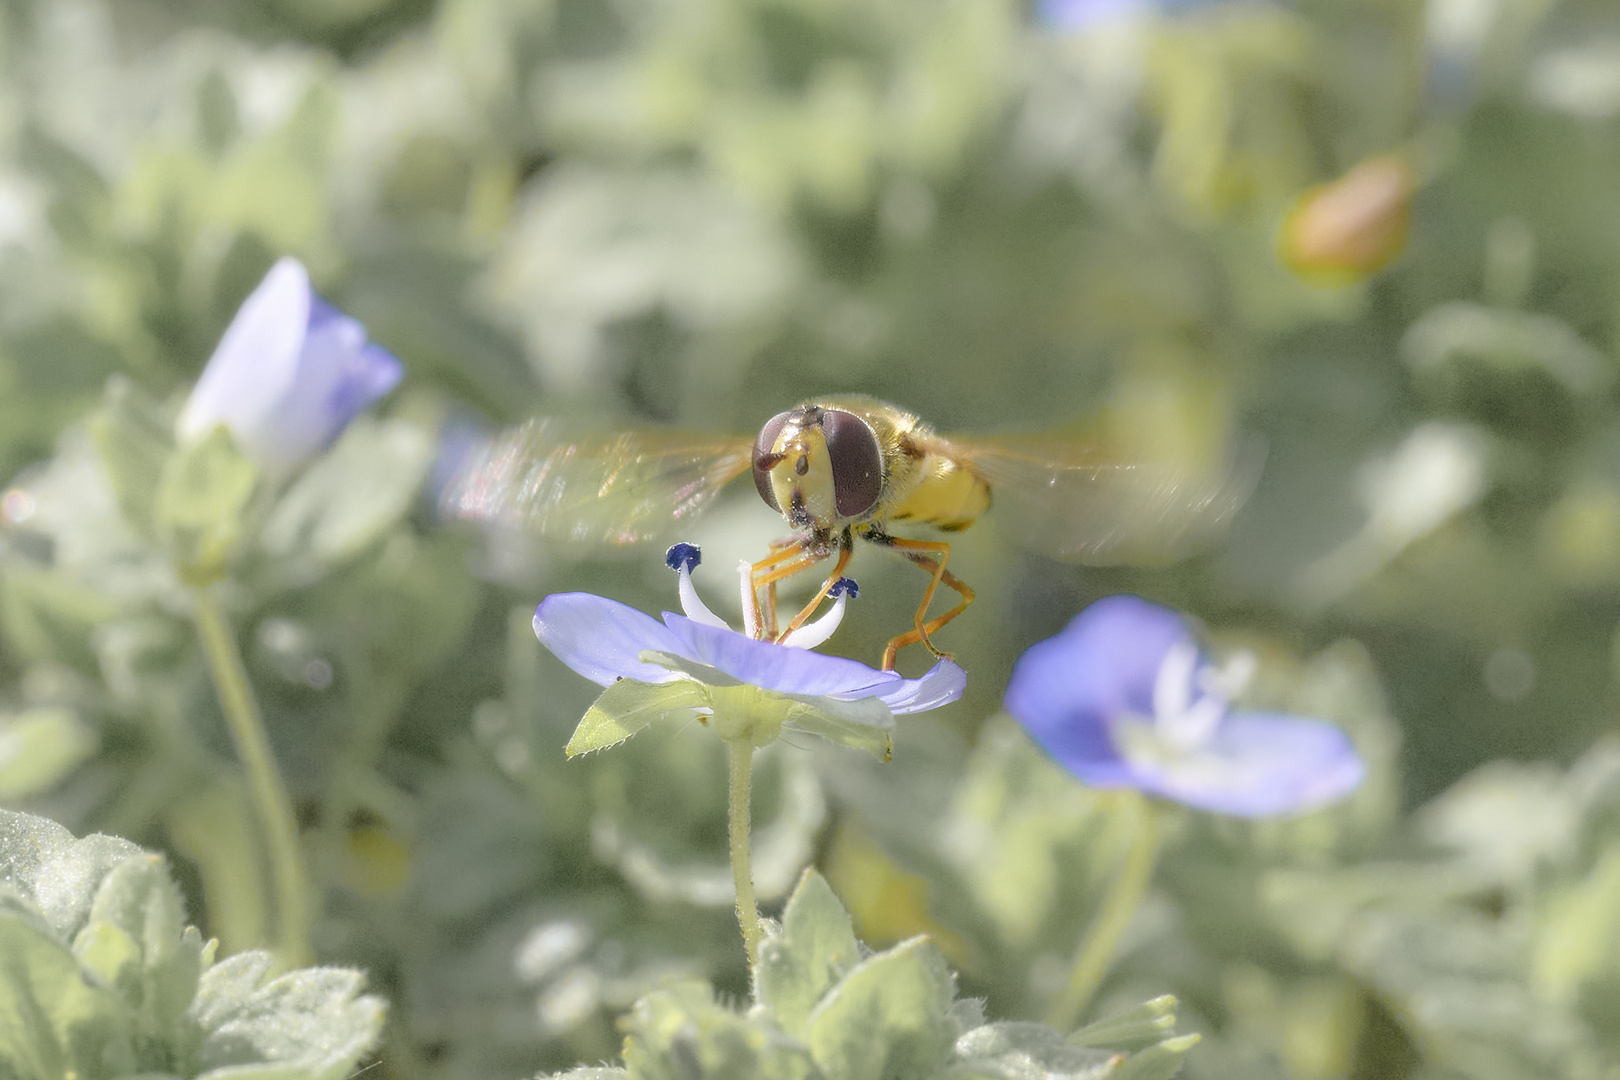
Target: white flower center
807,636
1190,700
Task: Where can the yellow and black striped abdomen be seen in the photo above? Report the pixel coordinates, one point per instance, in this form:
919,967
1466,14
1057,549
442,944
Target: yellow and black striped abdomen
948,496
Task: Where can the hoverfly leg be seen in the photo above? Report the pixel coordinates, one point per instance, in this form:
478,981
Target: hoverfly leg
768,627
846,550
930,555
790,560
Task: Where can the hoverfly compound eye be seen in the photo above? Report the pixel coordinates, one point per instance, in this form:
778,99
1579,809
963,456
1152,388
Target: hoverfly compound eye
857,462
766,457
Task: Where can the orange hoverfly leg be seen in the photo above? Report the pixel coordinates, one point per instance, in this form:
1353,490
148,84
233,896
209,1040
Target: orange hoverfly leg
768,627
826,587
768,571
923,553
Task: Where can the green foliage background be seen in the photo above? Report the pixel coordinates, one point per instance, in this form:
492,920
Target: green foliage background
701,211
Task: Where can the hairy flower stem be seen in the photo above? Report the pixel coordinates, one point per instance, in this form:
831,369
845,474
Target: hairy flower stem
742,769
270,800
1102,939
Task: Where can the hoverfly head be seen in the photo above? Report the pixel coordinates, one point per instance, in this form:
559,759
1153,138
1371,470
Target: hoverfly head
818,467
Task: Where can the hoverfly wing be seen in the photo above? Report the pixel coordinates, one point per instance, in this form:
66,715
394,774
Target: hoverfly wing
1071,501
588,491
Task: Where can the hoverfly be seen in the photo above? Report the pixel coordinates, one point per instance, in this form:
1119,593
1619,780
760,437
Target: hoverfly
840,469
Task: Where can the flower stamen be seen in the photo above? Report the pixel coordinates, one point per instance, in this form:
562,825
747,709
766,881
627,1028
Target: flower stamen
812,634
683,558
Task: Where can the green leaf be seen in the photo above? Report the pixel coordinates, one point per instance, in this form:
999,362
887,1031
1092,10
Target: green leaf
201,498
38,748
134,441
1021,1050
887,1018
312,1024
55,1023
351,496
1148,1023
628,706
815,949
137,942
862,724
44,868
1158,1062
682,1032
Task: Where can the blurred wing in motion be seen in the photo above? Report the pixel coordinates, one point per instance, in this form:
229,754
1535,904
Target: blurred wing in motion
608,489
1066,499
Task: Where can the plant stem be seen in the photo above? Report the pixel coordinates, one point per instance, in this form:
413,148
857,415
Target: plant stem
1124,897
742,768
270,800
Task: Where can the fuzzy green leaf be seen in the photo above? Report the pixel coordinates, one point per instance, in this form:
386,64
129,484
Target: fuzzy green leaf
889,1017
54,1022
682,1031
815,949
628,706
45,869
1021,1051
312,1024
137,942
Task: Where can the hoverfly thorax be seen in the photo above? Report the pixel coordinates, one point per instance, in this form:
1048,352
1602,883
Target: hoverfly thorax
818,467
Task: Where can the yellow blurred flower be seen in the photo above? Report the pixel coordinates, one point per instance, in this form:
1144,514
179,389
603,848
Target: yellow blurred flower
1350,228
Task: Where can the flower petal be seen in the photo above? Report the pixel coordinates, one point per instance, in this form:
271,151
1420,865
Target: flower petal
256,361
603,639
1259,765
1067,690
942,685
339,374
782,668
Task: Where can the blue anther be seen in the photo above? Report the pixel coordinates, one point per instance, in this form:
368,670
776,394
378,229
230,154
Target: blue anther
683,556
844,585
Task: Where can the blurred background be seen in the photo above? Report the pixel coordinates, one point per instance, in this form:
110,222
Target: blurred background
1380,238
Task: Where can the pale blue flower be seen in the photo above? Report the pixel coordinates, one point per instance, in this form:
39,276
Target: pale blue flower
289,374
1075,14
605,640
1123,697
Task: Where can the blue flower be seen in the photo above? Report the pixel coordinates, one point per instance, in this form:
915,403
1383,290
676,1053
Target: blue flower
1124,698
1075,14
605,640
289,374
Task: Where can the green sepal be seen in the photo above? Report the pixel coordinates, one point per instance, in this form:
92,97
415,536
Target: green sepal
134,441
815,949
861,724
201,498
890,1016
1148,1023
628,706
